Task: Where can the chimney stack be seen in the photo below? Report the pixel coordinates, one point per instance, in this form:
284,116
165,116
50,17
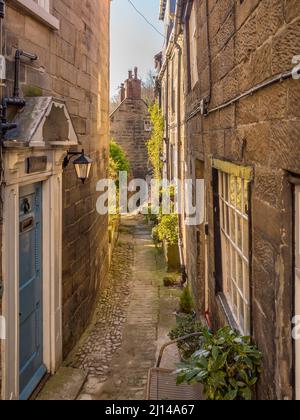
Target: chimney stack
133,86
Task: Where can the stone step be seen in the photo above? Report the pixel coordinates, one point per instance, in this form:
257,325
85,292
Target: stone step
65,385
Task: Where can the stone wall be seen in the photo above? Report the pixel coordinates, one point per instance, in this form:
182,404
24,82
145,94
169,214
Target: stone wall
73,65
127,128
250,42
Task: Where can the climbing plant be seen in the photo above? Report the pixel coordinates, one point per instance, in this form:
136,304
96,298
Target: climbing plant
156,142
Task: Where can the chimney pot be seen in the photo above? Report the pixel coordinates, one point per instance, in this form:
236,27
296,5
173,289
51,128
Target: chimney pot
136,73
130,74
122,92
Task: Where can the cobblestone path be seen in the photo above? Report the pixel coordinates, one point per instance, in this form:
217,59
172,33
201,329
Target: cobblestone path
121,345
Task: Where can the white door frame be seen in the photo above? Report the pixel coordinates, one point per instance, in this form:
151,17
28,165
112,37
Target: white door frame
16,177
297,286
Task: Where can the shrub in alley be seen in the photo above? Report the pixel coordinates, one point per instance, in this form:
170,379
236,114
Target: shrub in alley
188,325
186,301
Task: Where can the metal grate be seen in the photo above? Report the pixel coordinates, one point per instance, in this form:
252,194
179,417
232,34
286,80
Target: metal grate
162,387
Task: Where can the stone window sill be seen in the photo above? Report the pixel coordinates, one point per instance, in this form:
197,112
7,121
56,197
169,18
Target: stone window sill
38,12
227,312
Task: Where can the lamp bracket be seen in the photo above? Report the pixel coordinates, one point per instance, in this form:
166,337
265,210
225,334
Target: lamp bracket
70,156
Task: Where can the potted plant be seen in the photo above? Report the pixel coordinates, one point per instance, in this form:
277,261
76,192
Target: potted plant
227,365
186,308
188,325
168,233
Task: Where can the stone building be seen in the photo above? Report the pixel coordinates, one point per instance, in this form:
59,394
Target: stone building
230,95
130,125
54,244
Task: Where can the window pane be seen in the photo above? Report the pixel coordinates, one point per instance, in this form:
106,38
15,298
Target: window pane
242,315
240,232
222,222
246,198
240,273
247,326
232,190
220,184
239,194
227,219
232,225
246,238
233,264
246,283
226,187
235,302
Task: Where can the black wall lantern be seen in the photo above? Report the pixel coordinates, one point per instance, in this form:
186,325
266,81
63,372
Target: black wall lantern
82,164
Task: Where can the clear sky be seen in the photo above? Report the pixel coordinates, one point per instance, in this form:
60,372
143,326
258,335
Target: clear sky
133,42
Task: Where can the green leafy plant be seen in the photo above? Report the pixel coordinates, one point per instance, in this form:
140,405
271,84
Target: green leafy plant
155,236
118,160
227,365
186,301
188,325
168,229
169,281
156,143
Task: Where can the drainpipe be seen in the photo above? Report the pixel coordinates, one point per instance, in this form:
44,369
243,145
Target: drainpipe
2,9
19,54
177,30
180,244
15,100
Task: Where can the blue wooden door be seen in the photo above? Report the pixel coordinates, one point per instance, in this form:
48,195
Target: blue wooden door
32,368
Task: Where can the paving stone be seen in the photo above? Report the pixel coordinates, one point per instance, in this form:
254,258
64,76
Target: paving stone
64,386
121,345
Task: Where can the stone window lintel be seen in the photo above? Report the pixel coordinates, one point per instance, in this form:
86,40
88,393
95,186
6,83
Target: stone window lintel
244,172
38,12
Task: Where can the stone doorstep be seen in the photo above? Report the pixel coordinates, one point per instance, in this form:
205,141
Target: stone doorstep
65,385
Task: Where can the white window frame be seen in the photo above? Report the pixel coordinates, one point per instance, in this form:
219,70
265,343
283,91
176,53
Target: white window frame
45,4
235,230
147,126
193,47
40,10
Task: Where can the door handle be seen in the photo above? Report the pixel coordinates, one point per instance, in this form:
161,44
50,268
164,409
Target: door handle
26,225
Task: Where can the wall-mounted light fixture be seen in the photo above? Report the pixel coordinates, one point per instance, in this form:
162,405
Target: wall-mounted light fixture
82,164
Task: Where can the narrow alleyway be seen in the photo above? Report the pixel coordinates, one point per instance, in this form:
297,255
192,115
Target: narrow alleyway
132,319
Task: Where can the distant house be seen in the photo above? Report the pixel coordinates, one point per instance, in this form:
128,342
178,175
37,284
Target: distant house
130,125
54,244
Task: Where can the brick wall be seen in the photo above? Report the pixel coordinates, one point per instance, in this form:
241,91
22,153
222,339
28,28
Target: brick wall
252,41
73,65
127,128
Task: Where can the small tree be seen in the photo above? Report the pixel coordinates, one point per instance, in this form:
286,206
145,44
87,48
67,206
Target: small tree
148,88
118,159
